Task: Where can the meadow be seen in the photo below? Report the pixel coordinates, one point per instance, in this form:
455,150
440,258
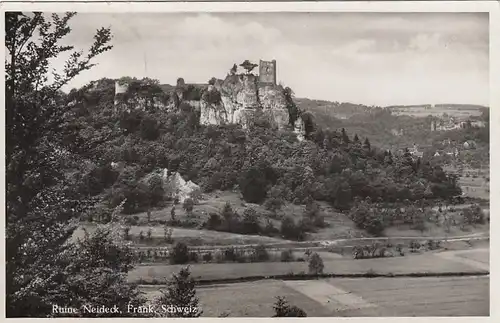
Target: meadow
428,296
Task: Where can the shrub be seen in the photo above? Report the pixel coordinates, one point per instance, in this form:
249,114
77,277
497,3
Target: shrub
207,257
283,309
414,246
287,255
474,215
179,254
188,205
259,254
371,273
193,256
214,221
150,234
273,204
250,223
167,234
290,230
399,248
231,254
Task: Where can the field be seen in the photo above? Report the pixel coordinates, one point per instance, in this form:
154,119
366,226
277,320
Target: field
444,296
422,112
425,263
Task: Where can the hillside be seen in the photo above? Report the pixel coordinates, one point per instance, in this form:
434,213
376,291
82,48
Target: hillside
393,127
265,163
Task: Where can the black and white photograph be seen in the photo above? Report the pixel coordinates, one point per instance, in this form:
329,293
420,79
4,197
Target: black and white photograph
236,163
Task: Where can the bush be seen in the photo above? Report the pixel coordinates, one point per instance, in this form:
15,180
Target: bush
287,255
214,221
273,204
474,215
414,246
167,234
231,254
188,205
259,254
207,257
250,223
283,309
193,256
290,230
179,254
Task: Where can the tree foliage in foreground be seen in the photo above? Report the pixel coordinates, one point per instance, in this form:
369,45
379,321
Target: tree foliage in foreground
283,309
43,265
180,296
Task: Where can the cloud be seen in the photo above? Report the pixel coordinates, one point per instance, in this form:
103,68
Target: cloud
359,57
426,42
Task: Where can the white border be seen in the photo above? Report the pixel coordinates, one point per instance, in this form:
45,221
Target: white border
493,7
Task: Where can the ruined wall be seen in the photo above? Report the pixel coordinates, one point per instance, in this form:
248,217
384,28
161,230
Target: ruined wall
273,103
125,100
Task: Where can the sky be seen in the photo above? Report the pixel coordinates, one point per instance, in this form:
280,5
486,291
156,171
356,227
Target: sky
368,58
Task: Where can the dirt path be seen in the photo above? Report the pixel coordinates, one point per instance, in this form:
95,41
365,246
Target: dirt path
328,243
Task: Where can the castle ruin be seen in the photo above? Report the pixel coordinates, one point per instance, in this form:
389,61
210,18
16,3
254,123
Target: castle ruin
240,97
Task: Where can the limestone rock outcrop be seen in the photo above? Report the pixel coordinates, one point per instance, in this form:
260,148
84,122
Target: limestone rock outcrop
174,186
179,189
240,96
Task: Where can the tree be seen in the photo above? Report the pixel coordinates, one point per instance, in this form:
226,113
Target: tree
172,214
366,144
250,221
289,230
316,265
179,298
180,253
293,110
233,69
188,205
248,66
43,205
283,309
97,275
251,182
345,137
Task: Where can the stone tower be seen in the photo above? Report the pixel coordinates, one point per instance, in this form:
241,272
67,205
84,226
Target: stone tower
267,72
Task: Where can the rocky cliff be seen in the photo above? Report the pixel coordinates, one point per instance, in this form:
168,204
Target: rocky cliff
240,96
